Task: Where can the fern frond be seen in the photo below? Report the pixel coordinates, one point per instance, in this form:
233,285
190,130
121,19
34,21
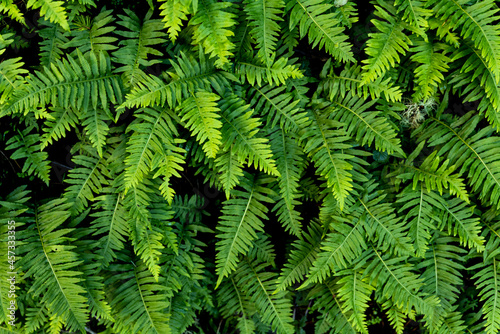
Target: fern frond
201,115
189,74
433,62
93,34
317,22
290,164
487,281
474,153
96,128
234,302
230,169
256,72
86,180
301,257
80,84
241,218
349,80
58,122
280,107
53,11
10,8
173,13
264,16
136,45
366,126
325,142
52,263
384,47
212,24
415,13
11,78
476,22
28,146
169,163
274,309
355,293
139,302
53,44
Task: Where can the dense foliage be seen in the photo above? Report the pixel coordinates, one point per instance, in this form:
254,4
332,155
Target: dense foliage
258,166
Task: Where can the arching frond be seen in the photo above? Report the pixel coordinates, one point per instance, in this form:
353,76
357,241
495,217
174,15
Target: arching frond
256,72
53,11
241,219
487,281
234,302
58,122
173,13
94,34
54,43
11,78
415,13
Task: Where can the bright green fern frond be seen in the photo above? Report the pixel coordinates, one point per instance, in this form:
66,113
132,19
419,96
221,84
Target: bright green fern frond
384,47
93,34
201,115
242,216
255,72
355,293
189,74
169,163
317,22
86,180
230,169
136,45
51,263
96,128
487,281
11,78
53,11
173,13
80,84
364,125
139,301
301,257
234,302
290,164
10,8
477,22
53,44
264,16
280,107
212,24
324,142
57,123
475,154
349,80
28,146
433,62
274,309
415,14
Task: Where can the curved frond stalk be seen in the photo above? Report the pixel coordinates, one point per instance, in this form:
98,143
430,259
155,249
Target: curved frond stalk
241,218
355,293
473,153
28,146
93,34
274,309
140,302
137,45
58,122
477,22
384,47
173,13
53,45
189,74
366,126
276,73
301,257
487,281
201,115
79,84
53,11
325,142
280,107
51,262
264,16
433,62
11,78
317,22
212,22
290,164
349,80
86,180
